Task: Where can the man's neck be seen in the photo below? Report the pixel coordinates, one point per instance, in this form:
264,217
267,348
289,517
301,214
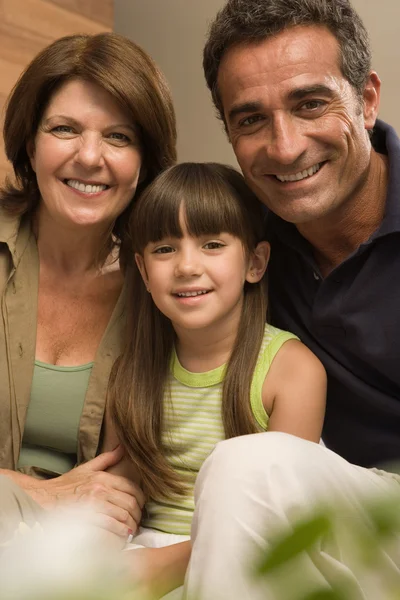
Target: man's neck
339,234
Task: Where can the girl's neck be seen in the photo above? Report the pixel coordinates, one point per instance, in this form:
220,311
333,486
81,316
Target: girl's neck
199,351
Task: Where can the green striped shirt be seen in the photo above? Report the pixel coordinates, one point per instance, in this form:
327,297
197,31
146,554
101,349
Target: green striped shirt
193,425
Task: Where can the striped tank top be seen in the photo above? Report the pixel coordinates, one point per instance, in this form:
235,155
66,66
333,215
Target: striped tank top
193,426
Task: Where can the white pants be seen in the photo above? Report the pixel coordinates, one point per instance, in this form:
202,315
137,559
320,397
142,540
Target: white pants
254,486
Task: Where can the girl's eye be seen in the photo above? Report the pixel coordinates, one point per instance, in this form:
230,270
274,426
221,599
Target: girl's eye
163,250
213,245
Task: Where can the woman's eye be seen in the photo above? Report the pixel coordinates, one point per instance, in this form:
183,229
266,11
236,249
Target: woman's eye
119,137
163,250
62,129
213,245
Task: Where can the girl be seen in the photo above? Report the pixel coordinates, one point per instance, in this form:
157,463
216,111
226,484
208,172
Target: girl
200,364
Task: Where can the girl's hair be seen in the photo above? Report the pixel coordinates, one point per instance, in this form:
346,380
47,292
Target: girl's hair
215,199
119,67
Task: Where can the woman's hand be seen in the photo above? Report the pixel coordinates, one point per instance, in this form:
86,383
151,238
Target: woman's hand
116,502
157,571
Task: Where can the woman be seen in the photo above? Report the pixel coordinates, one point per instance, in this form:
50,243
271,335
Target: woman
89,124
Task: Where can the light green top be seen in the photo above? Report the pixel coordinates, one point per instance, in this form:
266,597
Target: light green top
193,425
52,421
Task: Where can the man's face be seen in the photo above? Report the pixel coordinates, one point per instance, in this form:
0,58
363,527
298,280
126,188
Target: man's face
297,126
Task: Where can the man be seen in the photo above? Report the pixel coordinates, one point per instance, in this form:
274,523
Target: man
293,84
299,103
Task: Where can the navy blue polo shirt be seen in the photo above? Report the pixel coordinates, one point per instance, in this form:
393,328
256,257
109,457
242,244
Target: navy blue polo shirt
351,320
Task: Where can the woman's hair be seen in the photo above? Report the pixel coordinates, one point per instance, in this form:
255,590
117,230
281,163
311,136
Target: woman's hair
215,199
119,67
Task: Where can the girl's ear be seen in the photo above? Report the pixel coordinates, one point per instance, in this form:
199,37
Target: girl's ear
142,268
258,262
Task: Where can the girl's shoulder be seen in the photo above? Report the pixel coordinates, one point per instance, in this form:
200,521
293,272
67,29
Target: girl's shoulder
273,340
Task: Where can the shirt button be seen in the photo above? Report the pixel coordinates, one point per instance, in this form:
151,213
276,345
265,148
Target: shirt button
316,276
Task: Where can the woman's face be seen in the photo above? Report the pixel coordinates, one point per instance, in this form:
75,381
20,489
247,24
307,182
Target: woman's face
86,157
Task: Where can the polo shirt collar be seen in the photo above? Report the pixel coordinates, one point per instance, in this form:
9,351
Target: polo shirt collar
385,141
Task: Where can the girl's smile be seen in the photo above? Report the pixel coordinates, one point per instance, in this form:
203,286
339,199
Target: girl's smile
196,281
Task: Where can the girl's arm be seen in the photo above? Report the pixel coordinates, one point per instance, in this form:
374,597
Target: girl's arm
124,467
294,392
160,570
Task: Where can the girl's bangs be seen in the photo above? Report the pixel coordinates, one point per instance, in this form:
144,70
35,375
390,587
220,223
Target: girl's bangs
214,199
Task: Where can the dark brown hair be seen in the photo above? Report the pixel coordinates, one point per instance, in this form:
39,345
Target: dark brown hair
216,199
252,21
118,66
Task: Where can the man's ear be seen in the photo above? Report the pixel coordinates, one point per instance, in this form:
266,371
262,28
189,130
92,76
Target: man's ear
30,150
371,99
142,268
258,262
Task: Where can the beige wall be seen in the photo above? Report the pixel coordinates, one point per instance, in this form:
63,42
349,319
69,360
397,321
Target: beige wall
26,26
173,32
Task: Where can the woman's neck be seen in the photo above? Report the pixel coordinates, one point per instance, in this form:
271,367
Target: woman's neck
70,250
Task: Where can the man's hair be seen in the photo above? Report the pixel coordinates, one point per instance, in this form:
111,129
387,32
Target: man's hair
252,21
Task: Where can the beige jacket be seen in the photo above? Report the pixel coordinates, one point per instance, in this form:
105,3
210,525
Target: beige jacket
19,275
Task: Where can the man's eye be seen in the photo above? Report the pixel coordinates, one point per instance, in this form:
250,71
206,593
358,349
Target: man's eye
163,250
312,104
250,120
213,245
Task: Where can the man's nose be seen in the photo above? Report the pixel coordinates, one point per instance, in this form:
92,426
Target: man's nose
285,141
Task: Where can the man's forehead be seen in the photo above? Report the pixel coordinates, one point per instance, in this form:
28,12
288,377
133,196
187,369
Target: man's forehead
294,57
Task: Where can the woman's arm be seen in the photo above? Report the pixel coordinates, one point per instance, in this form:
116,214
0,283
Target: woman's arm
116,501
294,392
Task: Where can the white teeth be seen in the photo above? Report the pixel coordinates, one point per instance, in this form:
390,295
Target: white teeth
300,175
82,187
188,294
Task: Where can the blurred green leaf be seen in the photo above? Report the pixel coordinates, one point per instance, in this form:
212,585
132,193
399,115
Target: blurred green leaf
324,595
303,537
385,516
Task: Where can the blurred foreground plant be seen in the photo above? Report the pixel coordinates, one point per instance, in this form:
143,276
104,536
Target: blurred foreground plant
368,535
63,558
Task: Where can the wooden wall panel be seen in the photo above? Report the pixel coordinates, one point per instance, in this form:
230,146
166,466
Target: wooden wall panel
26,26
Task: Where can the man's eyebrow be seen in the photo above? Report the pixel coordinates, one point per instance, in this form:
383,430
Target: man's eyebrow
244,108
320,88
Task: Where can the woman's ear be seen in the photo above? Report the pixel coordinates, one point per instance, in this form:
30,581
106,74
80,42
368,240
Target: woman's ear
142,268
258,262
30,150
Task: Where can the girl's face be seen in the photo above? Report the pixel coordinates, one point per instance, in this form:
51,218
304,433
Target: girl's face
197,282
86,156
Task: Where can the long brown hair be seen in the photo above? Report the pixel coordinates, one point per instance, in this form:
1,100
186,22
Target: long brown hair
122,69
215,199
